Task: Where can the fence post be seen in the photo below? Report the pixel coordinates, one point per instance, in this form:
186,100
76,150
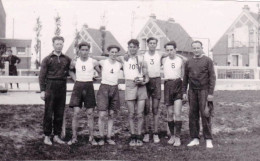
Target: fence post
6,72
256,73
216,71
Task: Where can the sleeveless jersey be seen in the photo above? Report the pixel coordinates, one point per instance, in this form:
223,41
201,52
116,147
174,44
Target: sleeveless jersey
153,64
131,68
172,68
110,72
84,70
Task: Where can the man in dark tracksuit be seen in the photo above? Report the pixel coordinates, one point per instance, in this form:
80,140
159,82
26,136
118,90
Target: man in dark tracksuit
52,79
199,74
13,61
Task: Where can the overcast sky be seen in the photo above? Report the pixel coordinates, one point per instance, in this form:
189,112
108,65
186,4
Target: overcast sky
201,19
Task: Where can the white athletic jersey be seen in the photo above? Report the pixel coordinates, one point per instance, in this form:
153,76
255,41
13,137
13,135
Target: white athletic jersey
84,70
110,72
153,64
172,68
131,68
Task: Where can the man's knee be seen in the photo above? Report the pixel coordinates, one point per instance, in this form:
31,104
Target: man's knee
111,114
140,116
131,116
102,116
90,113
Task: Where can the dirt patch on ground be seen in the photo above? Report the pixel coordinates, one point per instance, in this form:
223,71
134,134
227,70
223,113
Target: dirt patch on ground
235,128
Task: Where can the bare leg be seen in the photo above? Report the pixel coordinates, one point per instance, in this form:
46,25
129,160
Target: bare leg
90,116
140,116
131,110
110,123
101,122
75,122
155,106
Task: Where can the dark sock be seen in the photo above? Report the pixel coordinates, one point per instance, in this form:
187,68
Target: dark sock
178,125
171,127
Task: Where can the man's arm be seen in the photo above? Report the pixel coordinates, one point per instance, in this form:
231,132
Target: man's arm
145,73
42,77
185,81
182,69
97,65
212,77
18,60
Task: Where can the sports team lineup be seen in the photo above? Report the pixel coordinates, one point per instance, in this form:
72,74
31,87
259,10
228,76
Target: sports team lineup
190,81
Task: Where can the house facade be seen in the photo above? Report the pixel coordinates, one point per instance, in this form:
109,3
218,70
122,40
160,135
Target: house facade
20,48
239,45
99,40
165,31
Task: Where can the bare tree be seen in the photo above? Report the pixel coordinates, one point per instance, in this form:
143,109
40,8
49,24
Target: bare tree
37,46
58,25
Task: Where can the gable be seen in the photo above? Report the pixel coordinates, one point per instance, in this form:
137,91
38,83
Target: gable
150,29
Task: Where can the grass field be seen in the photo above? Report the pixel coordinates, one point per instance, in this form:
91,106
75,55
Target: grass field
236,129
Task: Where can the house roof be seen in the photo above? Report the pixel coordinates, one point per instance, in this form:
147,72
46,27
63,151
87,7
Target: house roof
176,32
16,42
97,38
255,16
109,38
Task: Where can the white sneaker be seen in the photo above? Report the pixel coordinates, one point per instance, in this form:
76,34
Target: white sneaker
111,142
194,142
171,141
209,143
146,138
177,141
156,139
56,139
47,140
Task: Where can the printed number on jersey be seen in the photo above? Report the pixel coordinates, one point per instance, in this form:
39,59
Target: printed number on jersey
132,66
173,65
83,68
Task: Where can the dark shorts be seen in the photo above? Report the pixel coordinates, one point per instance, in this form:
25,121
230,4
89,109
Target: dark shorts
83,92
154,87
13,70
108,97
172,91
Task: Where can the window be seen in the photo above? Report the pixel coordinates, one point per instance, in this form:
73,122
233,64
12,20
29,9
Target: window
20,50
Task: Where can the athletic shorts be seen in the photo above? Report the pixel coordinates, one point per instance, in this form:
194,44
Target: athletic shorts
134,92
108,98
172,91
154,87
83,92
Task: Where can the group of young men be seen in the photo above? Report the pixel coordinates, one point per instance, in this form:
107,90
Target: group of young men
142,72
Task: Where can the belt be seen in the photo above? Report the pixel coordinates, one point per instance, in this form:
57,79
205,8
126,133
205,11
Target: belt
172,79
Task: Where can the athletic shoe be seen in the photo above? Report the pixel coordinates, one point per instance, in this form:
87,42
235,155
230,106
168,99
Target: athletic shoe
171,141
139,142
111,142
194,142
101,142
146,138
209,143
72,141
56,139
92,141
47,140
132,142
156,138
177,141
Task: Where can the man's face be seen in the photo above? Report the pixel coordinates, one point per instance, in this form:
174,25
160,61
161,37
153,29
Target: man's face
84,52
9,53
197,49
58,45
170,50
132,49
152,44
113,53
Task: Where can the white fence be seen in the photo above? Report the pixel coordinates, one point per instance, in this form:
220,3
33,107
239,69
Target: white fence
228,78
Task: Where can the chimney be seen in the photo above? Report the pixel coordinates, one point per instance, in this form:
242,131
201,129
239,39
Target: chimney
85,26
246,8
153,16
171,20
102,28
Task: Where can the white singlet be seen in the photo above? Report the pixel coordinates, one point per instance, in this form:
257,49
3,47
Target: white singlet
84,70
110,72
131,68
153,64
172,68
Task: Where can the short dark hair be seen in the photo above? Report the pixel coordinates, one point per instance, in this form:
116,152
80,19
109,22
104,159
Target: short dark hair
57,38
197,41
171,43
84,44
151,38
10,50
133,41
113,46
